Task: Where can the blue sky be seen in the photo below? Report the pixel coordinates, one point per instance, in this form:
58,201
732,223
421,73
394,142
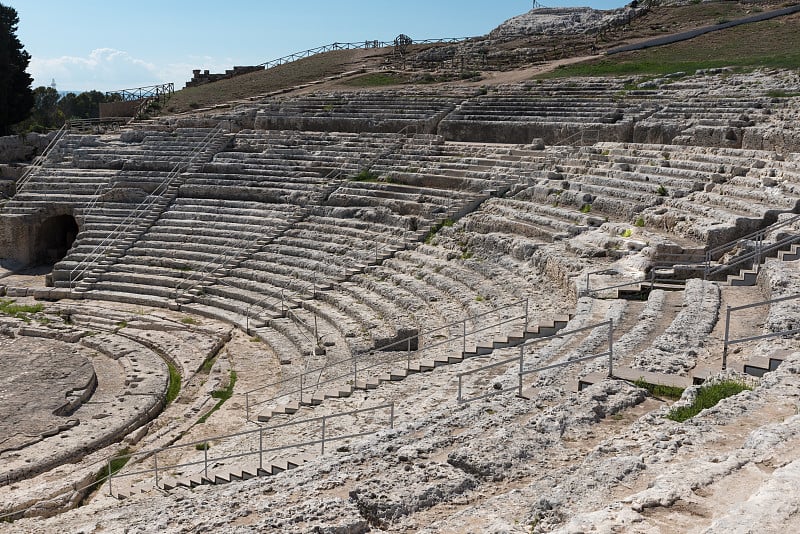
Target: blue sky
107,45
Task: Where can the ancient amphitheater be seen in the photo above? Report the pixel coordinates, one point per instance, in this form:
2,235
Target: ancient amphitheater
430,309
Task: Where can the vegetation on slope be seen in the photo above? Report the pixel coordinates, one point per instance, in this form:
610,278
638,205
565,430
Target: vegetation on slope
771,43
707,397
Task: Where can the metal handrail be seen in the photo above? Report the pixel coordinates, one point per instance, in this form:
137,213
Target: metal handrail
521,360
260,452
330,178
727,341
367,44
352,373
40,159
756,235
756,256
141,209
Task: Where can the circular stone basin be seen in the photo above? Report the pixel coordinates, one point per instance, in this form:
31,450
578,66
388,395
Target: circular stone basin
42,381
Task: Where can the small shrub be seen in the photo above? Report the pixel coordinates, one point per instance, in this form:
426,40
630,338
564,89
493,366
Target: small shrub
626,232
639,222
202,446
122,324
174,383
662,191
586,208
221,395
707,396
479,298
188,320
670,392
194,105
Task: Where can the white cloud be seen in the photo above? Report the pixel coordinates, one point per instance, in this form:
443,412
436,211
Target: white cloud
107,69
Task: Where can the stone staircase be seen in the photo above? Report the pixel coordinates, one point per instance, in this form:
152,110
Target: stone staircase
511,339
217,476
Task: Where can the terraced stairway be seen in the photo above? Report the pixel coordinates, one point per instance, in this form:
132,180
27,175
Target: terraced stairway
398,371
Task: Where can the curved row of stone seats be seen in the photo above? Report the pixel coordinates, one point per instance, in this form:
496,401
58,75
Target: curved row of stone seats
131,390
531,219
141,150
552,111
703,193
361,111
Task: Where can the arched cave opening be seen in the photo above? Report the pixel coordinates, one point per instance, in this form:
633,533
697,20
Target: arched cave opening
55,237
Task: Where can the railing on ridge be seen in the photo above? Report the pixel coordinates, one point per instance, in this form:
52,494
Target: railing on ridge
350,46
309,381
259,449
520,360
140,210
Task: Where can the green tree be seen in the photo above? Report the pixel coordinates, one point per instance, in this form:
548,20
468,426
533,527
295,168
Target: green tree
16,96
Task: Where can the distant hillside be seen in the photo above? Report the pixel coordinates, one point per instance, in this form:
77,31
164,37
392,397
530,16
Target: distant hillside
537,37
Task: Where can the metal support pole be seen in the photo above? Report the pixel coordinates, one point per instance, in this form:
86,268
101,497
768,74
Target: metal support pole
205,458
391,415
301,388
322,441
725,343
464,338
610,348
587,285
458,399
155,461
109,478
247,405
260,448
521,362
525,328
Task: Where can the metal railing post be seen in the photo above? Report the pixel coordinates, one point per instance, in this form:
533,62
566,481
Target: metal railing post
247,405
391,415
322,441
458,399
464,337
260,448
109,478
525,328
587,290
610,348
725,342
408,353
521,370
155,462
301,388
205,458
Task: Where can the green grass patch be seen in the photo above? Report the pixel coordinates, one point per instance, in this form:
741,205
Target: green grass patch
122,324
19,311
207,365
639,222
202,446
174,383
221,395
627,232
771,44
377,79
707,397
188,320
661,191
586,208
657,390
366,176
436,227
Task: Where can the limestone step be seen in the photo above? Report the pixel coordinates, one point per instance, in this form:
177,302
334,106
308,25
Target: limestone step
746,277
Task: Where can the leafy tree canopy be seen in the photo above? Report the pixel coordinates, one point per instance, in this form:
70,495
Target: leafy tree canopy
16,96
